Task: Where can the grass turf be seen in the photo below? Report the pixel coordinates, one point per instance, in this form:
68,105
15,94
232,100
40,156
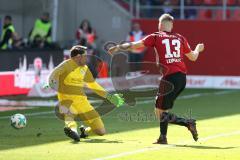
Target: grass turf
131,131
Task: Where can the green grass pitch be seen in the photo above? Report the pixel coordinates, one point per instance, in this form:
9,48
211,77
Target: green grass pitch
131,131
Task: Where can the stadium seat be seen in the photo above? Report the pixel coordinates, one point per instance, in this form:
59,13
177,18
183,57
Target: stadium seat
123,4
211,2
219,14
197,2
236,14
174,2
204,14
231,2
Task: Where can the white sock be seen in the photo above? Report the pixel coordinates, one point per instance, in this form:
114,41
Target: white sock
75,130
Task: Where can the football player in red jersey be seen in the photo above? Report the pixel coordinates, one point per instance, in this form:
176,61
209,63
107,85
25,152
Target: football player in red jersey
171,49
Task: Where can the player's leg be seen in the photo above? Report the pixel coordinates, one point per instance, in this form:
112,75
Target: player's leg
166,102
90,117
97,126
179,82
70,128
161,106
163,127
168,117
94,127
68,112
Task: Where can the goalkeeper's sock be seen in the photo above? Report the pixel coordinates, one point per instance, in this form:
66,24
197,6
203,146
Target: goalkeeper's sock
84,131
88,130
174,119
74,129
72,125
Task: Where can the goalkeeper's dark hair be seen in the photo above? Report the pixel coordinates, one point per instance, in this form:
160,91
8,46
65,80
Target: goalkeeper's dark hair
75,50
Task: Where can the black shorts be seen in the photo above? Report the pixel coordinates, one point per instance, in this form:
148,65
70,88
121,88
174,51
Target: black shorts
169,89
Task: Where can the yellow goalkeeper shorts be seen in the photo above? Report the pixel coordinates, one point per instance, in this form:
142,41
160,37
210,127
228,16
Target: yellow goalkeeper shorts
79,108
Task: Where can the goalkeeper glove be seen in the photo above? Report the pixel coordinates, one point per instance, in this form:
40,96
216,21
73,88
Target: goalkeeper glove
116,99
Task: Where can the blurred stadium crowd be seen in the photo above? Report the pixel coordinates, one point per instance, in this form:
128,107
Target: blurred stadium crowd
40,34
190,2
45,35
193,9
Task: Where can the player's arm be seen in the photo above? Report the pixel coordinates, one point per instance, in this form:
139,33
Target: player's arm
53,78
148,41
126,46
193,55
93,85
116,99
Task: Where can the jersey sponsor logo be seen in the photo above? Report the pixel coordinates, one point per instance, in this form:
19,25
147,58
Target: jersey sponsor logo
167,36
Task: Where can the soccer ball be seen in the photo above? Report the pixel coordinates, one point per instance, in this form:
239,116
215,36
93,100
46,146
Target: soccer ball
18,121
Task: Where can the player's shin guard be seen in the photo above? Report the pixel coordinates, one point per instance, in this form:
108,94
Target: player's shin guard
174,119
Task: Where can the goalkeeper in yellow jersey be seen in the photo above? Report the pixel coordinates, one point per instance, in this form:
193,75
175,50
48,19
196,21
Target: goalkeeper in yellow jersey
69,79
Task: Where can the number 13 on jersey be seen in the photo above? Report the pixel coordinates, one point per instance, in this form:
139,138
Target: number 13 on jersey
172,53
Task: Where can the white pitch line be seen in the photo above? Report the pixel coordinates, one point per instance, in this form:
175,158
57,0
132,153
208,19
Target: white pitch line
30,114
193,96
219,135
33,103
47,103
134,152
123,154
141,102
206,94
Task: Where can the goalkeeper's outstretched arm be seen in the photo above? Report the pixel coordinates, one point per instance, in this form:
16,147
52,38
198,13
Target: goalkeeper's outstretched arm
115,99
93,85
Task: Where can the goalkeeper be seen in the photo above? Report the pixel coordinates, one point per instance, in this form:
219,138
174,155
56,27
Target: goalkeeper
69,79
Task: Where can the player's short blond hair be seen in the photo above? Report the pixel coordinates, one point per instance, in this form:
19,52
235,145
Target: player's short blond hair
166,18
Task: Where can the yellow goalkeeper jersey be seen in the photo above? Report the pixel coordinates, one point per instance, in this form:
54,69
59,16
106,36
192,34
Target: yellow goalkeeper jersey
72,78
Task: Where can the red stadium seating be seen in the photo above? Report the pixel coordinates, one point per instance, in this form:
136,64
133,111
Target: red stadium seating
211,2
174,2
219,14
204,14
197,2
238,2
123,4
236,15
231,2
